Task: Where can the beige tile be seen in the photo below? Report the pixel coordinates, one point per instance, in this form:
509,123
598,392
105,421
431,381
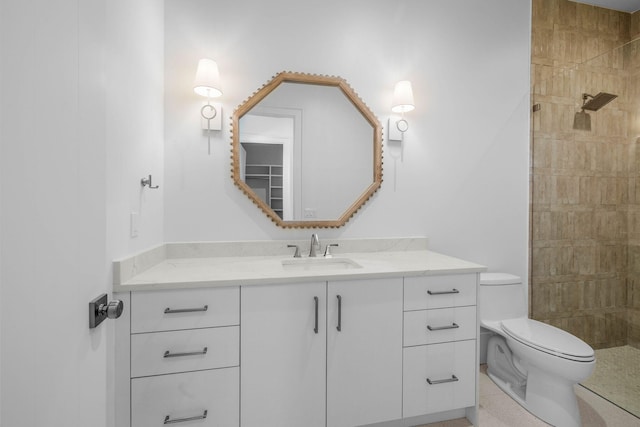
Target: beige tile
617,376
585,185
488,388
597,412
506,411
460,422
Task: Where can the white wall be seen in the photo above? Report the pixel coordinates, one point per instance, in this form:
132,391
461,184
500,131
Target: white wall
134,86
135,130
2,136
464,178
81,103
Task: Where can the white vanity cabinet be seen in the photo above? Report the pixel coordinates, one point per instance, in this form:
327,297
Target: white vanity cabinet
440,358
321,354
184,357
242,341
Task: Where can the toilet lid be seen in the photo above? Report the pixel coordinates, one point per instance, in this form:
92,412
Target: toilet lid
548,338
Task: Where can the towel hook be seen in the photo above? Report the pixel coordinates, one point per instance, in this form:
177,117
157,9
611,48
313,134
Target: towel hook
147,181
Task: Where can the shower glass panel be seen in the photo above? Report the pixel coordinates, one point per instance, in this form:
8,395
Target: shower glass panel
585,212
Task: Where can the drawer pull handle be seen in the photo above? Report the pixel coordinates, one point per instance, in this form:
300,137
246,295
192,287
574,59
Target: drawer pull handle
452,291
193,353
441,328
315,326
339,327
446,380
184,310
168,420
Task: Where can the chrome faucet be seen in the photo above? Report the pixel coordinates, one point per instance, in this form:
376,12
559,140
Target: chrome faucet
315,245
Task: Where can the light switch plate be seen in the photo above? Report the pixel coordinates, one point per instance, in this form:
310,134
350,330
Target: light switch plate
134,224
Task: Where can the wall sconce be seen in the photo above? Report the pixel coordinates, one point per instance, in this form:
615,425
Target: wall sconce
402,103
207,83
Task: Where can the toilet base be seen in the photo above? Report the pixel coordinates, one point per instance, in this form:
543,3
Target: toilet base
547,396
551,399
560,412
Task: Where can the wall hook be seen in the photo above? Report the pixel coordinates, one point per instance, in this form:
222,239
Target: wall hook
147,181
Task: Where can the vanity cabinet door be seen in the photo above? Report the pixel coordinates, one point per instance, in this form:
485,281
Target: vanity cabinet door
283,355
202,398
439,377
364,357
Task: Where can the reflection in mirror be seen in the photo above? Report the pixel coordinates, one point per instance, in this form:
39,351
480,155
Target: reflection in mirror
307,150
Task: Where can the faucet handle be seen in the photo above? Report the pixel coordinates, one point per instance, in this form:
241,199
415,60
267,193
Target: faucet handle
327,250
297,253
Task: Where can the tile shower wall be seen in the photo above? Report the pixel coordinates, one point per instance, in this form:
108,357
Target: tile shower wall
633,287
585,236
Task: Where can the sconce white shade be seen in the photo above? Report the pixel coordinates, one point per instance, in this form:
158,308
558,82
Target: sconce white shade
207,82
402,97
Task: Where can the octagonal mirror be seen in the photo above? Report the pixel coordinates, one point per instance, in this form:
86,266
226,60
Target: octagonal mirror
307,150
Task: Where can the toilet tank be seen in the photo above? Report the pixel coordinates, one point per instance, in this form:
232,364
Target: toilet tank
501,296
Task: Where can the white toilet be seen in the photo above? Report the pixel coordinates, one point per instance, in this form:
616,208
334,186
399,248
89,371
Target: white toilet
538,365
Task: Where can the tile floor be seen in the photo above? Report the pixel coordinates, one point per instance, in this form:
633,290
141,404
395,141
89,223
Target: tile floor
620,385
499,410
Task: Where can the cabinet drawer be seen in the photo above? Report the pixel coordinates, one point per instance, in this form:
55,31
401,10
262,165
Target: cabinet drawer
179,351
439,291
184,396
184,309
439,325
450,368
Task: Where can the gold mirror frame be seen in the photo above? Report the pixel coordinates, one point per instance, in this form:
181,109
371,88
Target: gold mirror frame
313,79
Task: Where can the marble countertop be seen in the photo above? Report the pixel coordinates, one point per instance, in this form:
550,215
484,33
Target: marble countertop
192,265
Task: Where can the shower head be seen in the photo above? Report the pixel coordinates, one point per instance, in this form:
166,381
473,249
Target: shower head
594,103
582,121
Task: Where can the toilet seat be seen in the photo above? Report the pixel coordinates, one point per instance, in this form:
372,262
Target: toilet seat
548,339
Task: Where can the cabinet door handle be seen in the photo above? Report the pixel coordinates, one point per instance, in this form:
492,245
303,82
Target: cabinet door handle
184,310
441,328
452,291
339,327
315,327
446,380
192,353
168,420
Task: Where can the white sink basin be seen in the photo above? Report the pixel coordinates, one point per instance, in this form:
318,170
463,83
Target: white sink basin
319,264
